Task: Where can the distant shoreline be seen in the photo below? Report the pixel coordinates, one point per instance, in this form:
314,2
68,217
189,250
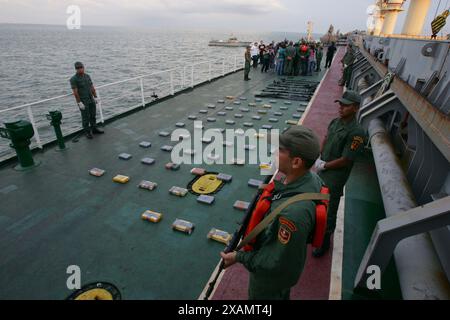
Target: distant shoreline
302,34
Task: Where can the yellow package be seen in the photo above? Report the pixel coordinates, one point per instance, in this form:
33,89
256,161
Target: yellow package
219,236
265,166
152,216
292,122
121,179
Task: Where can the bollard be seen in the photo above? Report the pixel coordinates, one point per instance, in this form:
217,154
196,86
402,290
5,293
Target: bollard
56,117
20,133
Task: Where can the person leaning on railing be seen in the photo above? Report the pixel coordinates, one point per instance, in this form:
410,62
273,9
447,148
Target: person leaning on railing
86,97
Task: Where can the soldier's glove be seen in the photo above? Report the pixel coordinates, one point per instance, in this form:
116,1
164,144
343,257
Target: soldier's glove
320,165
81,106
96,100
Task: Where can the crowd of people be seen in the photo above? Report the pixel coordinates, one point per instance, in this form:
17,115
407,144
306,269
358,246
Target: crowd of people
287,58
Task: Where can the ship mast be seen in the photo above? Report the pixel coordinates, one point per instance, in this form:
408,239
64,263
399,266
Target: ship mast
309,31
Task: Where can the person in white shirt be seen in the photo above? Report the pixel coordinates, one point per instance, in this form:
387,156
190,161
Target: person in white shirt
254,51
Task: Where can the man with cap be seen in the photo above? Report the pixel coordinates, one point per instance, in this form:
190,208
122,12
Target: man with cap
347,62
276,258
341,147
248,61
86,97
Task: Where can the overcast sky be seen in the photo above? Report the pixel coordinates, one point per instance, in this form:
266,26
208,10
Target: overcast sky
237,15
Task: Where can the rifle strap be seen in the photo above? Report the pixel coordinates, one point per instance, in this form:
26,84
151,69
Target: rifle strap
265,223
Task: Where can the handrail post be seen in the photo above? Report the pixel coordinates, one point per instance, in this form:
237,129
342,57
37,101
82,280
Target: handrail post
184,77
36,132
142,92
210,67
223,68
235,63
172,91
100,109
192,75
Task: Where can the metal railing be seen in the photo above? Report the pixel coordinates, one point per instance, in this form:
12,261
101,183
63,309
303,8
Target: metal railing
189,77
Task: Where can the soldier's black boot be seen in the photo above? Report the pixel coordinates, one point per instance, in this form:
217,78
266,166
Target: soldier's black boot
317,253
89,135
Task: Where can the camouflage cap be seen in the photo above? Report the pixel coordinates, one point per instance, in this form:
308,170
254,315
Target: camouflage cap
301,142
350,97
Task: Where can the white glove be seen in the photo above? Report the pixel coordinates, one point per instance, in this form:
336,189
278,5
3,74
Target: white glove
320,165
81,106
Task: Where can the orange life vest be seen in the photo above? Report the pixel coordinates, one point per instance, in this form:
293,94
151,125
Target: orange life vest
265,203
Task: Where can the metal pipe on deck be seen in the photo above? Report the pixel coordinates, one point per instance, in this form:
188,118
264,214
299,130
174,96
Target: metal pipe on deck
416,16
418,267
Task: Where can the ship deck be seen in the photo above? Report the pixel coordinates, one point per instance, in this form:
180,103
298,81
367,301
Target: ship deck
332,276
57,215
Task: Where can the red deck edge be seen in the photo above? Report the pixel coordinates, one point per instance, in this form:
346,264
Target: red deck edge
315,281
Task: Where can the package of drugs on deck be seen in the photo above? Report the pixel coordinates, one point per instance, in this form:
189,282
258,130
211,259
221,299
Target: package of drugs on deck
206,199
265,166
198,171
225,177
164,134
179,192
145,144
172,166
121,179
125,156
96,172
148,161
241,205
148,185
152,216
219,236
167,148
183,226
254,183
292,122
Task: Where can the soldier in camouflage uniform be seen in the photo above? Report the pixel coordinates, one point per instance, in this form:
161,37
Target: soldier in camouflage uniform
86,97
343,144
347,63
279,253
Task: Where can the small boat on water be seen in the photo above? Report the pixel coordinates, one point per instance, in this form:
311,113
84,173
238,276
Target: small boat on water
231,42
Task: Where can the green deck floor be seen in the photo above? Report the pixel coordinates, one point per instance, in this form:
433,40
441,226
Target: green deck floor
58,215
363,209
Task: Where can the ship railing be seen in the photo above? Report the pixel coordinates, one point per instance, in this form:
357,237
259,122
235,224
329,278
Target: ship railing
415,37
115,98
